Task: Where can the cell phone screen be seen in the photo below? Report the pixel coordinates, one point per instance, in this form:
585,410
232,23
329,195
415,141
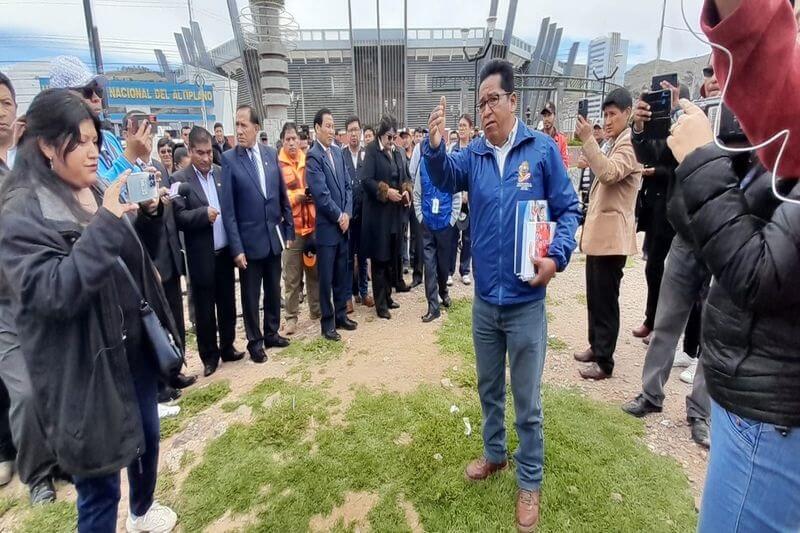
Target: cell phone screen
655,83
660,105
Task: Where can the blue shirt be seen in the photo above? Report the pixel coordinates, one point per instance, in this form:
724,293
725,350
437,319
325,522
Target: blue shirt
209,186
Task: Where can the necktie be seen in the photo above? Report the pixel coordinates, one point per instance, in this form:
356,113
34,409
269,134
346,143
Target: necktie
254,161
330,159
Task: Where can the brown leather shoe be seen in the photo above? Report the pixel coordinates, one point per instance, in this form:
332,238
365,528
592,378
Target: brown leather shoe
350,306
641,332
593,371
527,510
646,340
290,328
480,469
586,356
369,301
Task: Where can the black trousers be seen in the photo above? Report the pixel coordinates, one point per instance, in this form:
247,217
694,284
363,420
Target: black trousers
416,248
267,273
436,248
691,335
215,310
334,284
603,277
657,249
387,274
7,450
172,290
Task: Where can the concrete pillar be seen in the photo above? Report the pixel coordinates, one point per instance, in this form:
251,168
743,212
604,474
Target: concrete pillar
273,66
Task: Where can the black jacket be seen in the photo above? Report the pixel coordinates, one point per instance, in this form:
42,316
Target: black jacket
750,241
381,217
656,153
159,234
70,294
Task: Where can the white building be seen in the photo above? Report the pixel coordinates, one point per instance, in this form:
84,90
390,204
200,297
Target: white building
606,54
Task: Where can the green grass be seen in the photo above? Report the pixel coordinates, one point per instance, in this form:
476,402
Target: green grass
8,503
54,518
554,343
581,298
316,350
192,402
455,338
191,341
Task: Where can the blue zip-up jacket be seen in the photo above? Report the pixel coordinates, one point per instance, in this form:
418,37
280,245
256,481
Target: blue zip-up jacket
112,163
493,201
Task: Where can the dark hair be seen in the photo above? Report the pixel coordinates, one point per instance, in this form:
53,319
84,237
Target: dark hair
468,118
179,153
387,124
199,135
163,141
620,98
218,125
302,135
54,117
504,69
453,132
320,115
185,128
351,120
421,130
287,127
253,115
4,80
369,128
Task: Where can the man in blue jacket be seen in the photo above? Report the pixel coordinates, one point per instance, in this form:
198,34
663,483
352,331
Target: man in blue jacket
509,165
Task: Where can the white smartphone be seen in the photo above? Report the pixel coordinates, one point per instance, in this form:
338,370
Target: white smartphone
141,187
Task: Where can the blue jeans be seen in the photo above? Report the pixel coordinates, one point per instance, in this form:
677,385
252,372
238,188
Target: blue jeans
753,480
521,331
98,497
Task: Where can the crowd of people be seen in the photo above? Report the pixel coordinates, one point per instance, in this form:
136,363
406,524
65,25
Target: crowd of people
92,285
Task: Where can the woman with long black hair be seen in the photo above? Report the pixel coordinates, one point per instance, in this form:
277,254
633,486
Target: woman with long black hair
93,370
387,190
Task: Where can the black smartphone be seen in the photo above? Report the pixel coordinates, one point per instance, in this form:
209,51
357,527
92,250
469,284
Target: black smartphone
655,83
138,118
583,108
660,106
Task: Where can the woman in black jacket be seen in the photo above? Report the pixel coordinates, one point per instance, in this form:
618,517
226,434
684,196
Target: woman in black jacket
387,191
93,371
750,241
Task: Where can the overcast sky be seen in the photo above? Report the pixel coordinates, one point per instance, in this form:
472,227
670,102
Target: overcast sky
130,29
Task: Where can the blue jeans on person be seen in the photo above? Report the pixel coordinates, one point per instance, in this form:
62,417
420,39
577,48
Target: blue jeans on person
521,331
753,479
98,497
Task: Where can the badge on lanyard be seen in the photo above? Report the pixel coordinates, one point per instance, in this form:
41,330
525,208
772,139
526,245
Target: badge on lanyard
524,176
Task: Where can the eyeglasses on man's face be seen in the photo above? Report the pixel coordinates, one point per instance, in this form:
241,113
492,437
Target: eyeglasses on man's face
491,100
89,90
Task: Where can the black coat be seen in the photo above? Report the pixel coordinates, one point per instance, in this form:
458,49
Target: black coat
159,234
381,218
750,241
70,294
355,179
191,216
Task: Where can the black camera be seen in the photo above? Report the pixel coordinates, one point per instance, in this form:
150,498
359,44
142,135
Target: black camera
726,128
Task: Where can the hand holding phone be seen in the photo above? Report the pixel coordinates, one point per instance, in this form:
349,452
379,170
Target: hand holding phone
142,187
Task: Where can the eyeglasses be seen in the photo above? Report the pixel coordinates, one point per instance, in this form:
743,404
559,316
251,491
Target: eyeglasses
89,90
390,137
491,101
708,71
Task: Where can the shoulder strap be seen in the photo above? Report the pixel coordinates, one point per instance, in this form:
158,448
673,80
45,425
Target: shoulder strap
132,281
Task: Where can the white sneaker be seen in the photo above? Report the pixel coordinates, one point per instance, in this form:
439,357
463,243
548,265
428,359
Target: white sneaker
449,281
687,376
158,519
466,280
6,472
682,359
166,411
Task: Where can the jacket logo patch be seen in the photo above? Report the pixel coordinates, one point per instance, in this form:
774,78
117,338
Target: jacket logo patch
524,176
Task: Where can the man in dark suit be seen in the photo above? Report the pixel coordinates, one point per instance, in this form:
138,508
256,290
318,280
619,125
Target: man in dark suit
353,161
333,198
197,212
221,143
259,224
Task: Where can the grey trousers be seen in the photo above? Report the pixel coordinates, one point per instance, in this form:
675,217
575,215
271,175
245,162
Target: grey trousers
685,279
35,461
436,253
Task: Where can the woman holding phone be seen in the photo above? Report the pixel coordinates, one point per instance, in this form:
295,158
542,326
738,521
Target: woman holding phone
93,370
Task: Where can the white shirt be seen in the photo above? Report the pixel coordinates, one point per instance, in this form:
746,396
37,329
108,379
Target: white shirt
255,155
501,152
354,156
209,186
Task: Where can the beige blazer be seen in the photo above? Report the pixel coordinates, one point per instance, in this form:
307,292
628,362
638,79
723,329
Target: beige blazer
610,226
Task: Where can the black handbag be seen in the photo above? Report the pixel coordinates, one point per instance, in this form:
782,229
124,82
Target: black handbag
168,354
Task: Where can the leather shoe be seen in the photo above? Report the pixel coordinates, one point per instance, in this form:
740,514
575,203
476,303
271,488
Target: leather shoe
641,332
350,308
358,299
415,283
369,301
181,381
347,324
276,341
332,335
209,369
394,305
168,394
447,302
480,469
232,355
586,356
527,510
593,371
700,433
384,314
258,356
402,288
430,317
641,406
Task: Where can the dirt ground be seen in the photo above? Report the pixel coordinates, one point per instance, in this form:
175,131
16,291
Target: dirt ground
400,354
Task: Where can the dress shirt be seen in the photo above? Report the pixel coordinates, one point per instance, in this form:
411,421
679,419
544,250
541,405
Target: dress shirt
209,186
354,157
255,156
327,150
501,152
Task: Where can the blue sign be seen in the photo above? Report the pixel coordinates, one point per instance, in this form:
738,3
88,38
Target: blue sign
153,93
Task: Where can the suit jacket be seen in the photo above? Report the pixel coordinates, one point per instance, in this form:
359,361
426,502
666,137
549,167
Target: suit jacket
332,193
252,221
191,216
355,179
159,234
610,226
218,151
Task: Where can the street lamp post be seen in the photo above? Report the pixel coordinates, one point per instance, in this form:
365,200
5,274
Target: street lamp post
528,115
294,100
604,79
482,51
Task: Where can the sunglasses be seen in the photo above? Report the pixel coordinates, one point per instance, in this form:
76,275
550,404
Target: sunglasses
390,137
88,91
708,71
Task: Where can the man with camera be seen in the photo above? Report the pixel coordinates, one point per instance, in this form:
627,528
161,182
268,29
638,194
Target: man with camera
685,280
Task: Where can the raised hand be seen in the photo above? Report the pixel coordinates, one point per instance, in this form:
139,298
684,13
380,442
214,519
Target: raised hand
436,122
